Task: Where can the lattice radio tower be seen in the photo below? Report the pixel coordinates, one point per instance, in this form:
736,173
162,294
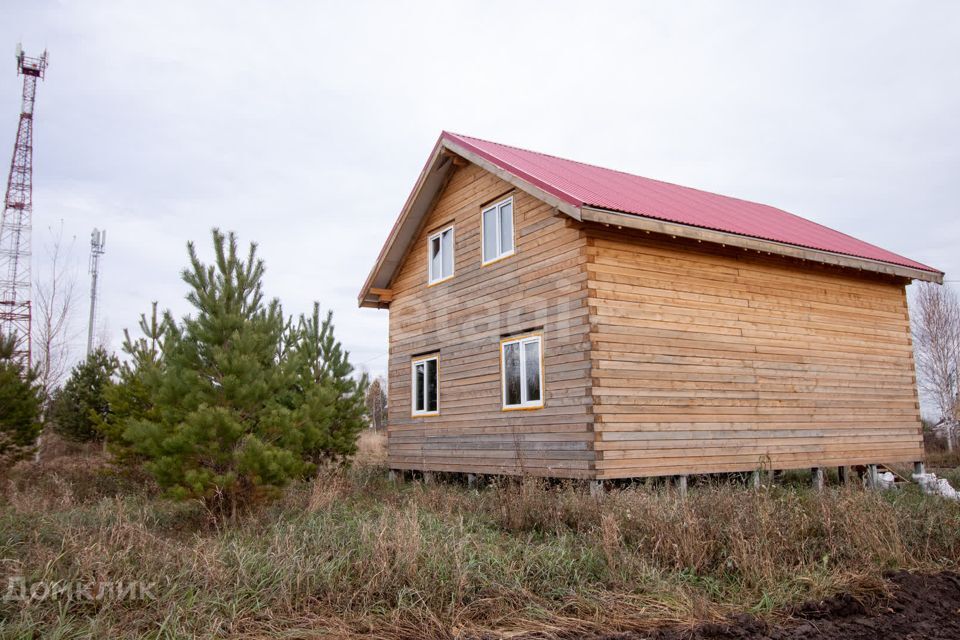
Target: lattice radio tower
17,222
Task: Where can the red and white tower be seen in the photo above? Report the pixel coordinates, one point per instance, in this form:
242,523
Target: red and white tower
17,222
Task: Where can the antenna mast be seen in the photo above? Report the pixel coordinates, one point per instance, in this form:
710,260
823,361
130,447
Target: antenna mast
17,221
98,240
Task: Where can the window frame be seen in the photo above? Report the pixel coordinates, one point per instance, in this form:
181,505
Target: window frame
525,405
453,254
496,206
413,386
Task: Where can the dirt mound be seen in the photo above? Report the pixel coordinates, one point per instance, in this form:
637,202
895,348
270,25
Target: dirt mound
922,607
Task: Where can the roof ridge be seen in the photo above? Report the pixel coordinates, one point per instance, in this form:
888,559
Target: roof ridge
593,193
550,155
632,175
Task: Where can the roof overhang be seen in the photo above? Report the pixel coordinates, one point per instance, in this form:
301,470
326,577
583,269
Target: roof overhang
653,225
449,153
432,179
429,183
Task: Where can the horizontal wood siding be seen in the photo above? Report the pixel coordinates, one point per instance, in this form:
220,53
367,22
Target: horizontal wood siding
542,286
708,359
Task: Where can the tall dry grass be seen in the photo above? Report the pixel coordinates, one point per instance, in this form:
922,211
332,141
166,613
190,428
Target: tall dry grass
351,554
372,447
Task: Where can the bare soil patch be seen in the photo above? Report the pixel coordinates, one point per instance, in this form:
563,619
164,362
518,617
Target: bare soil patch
922,607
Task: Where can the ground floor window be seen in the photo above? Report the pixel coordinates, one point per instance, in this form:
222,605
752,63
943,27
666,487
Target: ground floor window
521,362
425,387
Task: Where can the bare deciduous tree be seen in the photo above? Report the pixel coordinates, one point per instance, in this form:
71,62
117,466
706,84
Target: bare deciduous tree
54,301
103,339
377,403
935,324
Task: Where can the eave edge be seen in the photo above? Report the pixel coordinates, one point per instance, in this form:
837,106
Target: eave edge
632,221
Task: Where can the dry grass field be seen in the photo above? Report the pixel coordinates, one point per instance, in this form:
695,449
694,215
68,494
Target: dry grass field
350,554
372,448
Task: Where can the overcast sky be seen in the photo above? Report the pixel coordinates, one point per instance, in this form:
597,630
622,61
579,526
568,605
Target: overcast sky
304,125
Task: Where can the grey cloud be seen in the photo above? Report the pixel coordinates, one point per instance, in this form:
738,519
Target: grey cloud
303,125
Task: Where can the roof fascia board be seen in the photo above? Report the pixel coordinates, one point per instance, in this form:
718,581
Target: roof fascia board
415,206
632,221
570,209
429,174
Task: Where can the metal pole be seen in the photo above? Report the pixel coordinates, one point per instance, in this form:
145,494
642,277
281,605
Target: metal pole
93,310
97,241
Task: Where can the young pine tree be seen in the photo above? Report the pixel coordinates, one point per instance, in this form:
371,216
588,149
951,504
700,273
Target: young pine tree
219,429
332,405
20,401
82,402
130,397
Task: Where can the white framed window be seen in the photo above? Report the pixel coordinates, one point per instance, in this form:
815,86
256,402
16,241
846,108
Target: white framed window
440,255
521,372
497,223
424,386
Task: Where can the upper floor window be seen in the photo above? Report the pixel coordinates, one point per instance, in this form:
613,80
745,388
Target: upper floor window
498,231
424,387
440,255
521,360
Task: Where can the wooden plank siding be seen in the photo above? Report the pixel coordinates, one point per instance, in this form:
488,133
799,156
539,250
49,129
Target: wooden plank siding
542,286
709,359
662,356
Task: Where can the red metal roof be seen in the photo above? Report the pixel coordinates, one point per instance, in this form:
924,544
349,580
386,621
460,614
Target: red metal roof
586,185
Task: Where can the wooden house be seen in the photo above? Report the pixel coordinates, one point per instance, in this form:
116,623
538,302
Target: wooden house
554,318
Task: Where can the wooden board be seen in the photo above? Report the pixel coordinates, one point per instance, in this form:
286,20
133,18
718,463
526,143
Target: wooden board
707,359
542,286
662,356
